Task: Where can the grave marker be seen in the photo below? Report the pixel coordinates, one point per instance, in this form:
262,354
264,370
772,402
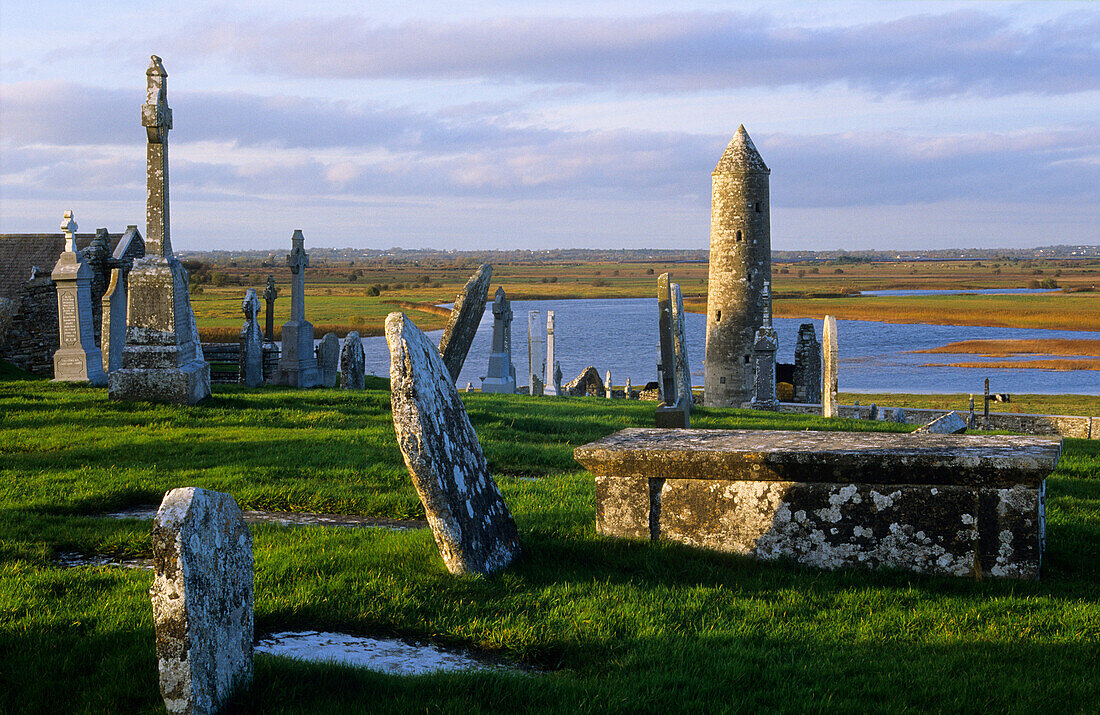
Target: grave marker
77,359
252,343
353,362
502,374
829,369
470,521
466,315
297,361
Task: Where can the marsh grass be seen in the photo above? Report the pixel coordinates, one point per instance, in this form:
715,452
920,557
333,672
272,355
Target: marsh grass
604,625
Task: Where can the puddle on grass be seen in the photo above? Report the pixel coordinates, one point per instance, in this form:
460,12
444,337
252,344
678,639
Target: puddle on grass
294,518
72,560
387,655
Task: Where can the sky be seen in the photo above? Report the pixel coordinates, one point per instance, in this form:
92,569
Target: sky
504,124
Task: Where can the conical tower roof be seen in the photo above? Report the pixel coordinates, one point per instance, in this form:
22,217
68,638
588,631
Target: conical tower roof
741,156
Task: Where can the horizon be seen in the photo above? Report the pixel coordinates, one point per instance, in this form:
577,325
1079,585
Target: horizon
896,127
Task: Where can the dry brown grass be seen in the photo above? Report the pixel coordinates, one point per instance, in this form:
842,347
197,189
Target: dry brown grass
1004,348
1047,364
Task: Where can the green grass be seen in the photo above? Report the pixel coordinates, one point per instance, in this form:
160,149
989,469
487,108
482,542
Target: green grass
605,624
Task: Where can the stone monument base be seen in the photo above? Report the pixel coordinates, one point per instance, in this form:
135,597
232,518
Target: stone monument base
672,416
184,385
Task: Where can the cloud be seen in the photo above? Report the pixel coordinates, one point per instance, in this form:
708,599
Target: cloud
75,141
919,55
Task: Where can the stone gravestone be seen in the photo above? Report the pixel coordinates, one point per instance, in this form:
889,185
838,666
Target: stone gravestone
951,423
607,385
873,415
536,353
328,360
297,362
162,360
552,382
587,384
679,348
466,315
353,362
675,408
252,343
502,373
764,349
629,390
900,417
829,369
202,599
77,359
270,294
113,330
470,521
807,366
557,380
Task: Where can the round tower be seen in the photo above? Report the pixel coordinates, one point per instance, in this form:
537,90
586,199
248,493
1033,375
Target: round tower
740,263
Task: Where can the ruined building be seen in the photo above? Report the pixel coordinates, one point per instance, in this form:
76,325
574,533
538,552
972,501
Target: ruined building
26,260
740,263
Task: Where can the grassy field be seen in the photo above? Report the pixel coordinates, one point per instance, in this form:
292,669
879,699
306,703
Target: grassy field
604,625
333,302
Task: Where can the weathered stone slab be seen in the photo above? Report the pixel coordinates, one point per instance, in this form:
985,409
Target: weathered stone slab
952,504
557,372
587,384
202,598
536,353
553,369
328,360
466,315
607,385
807,366
353,362
829,364
113,331
951,423
469,519
252,343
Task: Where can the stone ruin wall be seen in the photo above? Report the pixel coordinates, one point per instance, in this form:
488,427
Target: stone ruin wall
33,336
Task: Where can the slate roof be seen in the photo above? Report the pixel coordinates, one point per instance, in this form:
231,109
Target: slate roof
20,251
741,156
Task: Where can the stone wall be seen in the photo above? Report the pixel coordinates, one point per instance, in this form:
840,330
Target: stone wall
33,338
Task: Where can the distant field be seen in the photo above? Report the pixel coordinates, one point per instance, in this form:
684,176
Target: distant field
1026,404
338,295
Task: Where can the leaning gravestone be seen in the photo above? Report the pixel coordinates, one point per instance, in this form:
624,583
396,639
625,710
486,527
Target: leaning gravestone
466,315
951,423
328,359
470,521
252,342
829,383
353,362
202,599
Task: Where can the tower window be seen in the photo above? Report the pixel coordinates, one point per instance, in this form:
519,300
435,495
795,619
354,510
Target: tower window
757,207
746,359
738,234
718,317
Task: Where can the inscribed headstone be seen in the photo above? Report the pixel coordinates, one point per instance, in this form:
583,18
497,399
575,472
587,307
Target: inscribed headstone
77,359
202,598
470,521
466,315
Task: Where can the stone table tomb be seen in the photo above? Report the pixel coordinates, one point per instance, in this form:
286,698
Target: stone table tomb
967,505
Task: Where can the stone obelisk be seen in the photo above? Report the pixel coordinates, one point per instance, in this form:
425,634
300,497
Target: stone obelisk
77,358
297,360
162,360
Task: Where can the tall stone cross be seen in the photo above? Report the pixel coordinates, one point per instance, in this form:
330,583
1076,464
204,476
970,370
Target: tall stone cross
156,117
270,294
298,261
765,346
